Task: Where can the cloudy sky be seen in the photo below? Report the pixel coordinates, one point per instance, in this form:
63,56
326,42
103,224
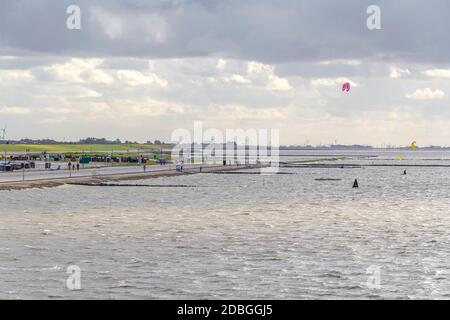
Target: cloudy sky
140,69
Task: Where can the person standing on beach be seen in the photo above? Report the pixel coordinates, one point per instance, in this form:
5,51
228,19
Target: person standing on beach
78,167
70,165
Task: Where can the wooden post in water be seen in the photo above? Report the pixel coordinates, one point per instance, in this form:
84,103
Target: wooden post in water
257,153
224,152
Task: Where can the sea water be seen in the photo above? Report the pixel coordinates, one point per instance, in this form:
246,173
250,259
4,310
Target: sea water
238,236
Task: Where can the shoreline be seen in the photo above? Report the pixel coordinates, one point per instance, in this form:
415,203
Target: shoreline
98,180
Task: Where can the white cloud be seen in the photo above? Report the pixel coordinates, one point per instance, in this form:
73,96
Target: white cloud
348,62
240,93
240,112
99,107
438,73
237,78
331,82
266,74
148,107
136,78
81,92
259,68
426,94
15,110
99,76
59,110
80,71
221,64
15,75
396,73
278,84
57,120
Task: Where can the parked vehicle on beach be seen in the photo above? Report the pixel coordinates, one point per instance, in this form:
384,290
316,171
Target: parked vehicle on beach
5,167
11,166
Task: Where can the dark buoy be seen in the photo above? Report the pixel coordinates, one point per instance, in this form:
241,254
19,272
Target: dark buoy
355,184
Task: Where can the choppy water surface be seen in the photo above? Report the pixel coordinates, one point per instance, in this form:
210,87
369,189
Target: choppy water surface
236,236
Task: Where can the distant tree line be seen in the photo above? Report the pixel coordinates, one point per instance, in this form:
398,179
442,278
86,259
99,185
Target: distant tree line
90,140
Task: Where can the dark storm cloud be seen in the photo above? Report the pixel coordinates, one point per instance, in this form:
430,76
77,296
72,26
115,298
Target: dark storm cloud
269,31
